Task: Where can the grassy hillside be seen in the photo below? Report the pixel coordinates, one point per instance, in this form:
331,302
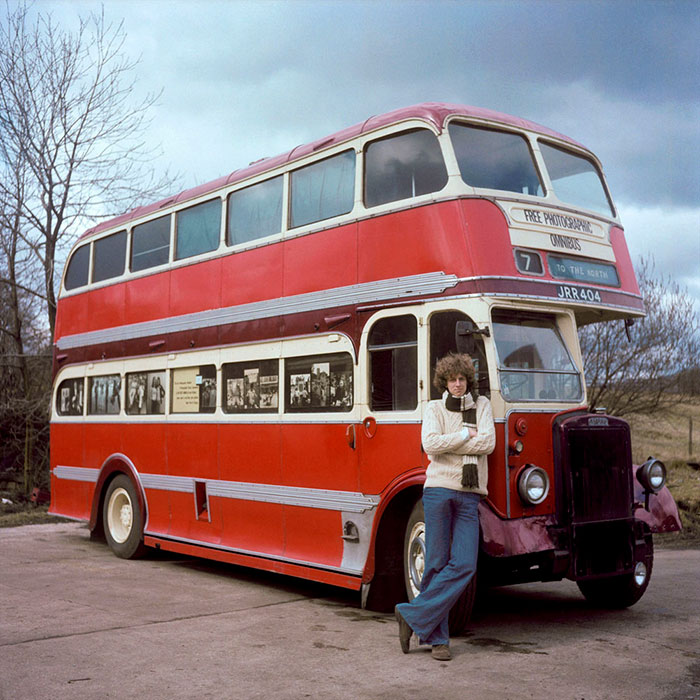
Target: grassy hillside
665,435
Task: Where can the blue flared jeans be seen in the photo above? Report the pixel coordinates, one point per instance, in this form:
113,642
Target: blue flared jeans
452,548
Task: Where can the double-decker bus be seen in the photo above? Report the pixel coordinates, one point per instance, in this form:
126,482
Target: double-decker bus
240,370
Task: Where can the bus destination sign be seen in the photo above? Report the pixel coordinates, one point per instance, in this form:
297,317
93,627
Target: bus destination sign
578,270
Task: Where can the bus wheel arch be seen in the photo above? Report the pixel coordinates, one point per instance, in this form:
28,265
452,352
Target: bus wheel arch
387,588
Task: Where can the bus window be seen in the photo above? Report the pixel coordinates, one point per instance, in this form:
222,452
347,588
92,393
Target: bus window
495,160
403,166
393,355
109,257
443,341
193,389
104,395
255,212
78,268
197,229
145,393
323,190
150,244
575,179
251,387
319,383
533,361
69,398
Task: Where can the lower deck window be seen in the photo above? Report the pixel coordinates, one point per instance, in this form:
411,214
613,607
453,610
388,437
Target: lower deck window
194,389
319,383
145,393
251,387
104,394
69,398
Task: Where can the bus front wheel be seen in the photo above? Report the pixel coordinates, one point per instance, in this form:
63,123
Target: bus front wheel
414,568
621,591
122,519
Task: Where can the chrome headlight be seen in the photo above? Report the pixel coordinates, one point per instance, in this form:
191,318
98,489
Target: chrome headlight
652,475
533,485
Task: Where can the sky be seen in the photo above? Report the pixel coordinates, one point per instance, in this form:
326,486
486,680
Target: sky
245,80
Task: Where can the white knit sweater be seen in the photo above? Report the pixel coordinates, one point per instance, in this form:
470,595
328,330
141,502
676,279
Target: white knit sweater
444,442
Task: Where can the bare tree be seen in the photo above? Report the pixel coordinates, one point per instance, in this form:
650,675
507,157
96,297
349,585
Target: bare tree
70,116
649,371
72,151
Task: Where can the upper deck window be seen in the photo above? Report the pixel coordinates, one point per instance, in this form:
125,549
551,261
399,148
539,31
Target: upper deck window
495,160
576,179
323,189
109,257
533,361
403,166
78,268
255,211
150,244
198,229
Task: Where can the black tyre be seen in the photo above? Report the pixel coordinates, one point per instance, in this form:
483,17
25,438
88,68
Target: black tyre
414,567
122,518
621,591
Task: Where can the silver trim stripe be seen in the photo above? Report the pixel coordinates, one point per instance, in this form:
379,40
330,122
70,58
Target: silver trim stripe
294,496
347,501
76,473
399,287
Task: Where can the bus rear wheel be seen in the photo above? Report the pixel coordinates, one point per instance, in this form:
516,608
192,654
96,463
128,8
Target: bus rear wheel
122,518
414,568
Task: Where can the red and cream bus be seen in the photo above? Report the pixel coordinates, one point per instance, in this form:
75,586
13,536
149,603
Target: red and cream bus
241,370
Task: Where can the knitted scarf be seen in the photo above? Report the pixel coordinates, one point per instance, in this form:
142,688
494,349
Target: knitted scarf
466,406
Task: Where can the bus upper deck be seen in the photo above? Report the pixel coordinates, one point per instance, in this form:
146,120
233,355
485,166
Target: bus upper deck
299,242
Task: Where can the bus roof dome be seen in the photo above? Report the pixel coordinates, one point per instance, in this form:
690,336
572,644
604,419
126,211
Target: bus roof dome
434,113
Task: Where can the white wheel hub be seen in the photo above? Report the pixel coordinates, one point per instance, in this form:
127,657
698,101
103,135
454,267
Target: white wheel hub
120,515
416,557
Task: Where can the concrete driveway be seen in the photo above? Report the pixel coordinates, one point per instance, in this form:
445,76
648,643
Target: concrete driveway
77,622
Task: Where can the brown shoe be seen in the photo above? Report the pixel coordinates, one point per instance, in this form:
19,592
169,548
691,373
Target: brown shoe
405,631
441,652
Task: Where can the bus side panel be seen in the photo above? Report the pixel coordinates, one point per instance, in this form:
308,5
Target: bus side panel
391,451
193,284
251,454
144,445
313,535
71,315
628,280
101,441
147,298
106,307
192,451
316,456
394,245
498,481
70,498
253,276
490,249
324,260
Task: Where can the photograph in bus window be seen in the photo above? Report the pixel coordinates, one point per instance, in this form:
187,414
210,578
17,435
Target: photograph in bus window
145,393
319,383
251,386
70,397
104,394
